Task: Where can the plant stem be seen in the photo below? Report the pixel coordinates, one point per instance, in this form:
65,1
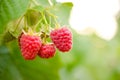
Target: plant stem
37,24
44,18
25,24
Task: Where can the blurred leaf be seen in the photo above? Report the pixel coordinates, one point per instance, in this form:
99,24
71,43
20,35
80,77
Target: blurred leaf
7,37
7,68
3,49
62,11
43,3
10,10
39,8
39,69
54,2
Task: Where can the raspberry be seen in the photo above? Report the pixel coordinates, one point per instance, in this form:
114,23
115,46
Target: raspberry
47,51
62,38
29,45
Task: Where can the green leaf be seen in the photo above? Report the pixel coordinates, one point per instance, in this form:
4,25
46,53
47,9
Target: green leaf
39,8
7,37
62,11
32,17
3,49
10,10
45,3
7,69
14,67
53,2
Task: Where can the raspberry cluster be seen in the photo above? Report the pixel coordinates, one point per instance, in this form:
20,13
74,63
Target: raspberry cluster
32,45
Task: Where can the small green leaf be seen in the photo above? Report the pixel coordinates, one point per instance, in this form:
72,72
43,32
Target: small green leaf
32,17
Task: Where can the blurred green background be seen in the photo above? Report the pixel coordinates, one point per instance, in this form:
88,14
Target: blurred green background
91,57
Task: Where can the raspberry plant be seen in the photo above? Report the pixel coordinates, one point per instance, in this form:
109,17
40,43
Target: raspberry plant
91,58
22,16
40,21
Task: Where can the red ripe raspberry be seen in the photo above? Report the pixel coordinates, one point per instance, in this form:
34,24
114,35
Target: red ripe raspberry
47,51
29,45
62,38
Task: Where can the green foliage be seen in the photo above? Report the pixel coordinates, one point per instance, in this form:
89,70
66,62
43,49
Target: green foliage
10,10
